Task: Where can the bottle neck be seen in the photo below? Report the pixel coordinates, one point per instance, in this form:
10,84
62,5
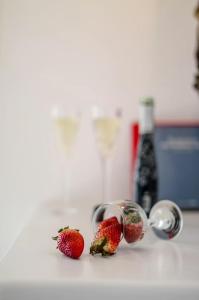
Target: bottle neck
146,119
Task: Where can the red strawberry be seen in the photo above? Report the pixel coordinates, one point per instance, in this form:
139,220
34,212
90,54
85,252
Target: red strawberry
132,226
106,240
133,232
108,222
70,242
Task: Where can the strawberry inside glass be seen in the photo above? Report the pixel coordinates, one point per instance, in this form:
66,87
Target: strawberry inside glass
133,226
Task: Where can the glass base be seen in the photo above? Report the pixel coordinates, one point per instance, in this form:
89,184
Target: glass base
62,207
166,219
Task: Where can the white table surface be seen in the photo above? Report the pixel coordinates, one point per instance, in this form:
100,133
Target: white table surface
155,269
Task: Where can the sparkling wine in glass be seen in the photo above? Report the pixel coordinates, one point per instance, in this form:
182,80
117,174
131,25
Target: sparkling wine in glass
66,126
106,126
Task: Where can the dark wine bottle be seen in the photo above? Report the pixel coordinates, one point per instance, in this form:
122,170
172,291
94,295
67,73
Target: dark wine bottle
146,179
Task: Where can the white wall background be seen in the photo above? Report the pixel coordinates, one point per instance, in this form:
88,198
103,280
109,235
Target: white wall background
80,53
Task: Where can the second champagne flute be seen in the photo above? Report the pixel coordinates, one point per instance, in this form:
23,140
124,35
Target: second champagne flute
106,126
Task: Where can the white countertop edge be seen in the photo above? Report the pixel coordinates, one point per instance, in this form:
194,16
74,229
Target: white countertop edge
175,284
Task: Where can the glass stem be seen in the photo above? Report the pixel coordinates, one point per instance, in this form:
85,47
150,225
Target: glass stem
106,175
66,184
161,224
152,223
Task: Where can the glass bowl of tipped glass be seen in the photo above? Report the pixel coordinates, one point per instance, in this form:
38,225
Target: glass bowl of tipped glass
66,127
106,123
165,219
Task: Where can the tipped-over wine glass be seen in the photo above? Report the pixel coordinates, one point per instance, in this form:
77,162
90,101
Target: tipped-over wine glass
165,219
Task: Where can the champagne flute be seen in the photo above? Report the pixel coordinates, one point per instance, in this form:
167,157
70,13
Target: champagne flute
165,219
66,125
106,126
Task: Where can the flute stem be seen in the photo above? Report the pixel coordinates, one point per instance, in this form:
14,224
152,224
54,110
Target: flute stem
106,172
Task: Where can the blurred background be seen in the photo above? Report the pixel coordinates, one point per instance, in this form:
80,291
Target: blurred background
79,54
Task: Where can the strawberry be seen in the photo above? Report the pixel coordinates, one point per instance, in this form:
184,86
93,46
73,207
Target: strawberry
133,232
70,242
108,222
132,227
106,240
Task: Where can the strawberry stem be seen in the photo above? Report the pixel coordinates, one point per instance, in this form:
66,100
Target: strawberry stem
97,246
106,254
62,229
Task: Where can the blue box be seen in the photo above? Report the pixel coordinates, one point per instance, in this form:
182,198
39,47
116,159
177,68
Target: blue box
177,152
